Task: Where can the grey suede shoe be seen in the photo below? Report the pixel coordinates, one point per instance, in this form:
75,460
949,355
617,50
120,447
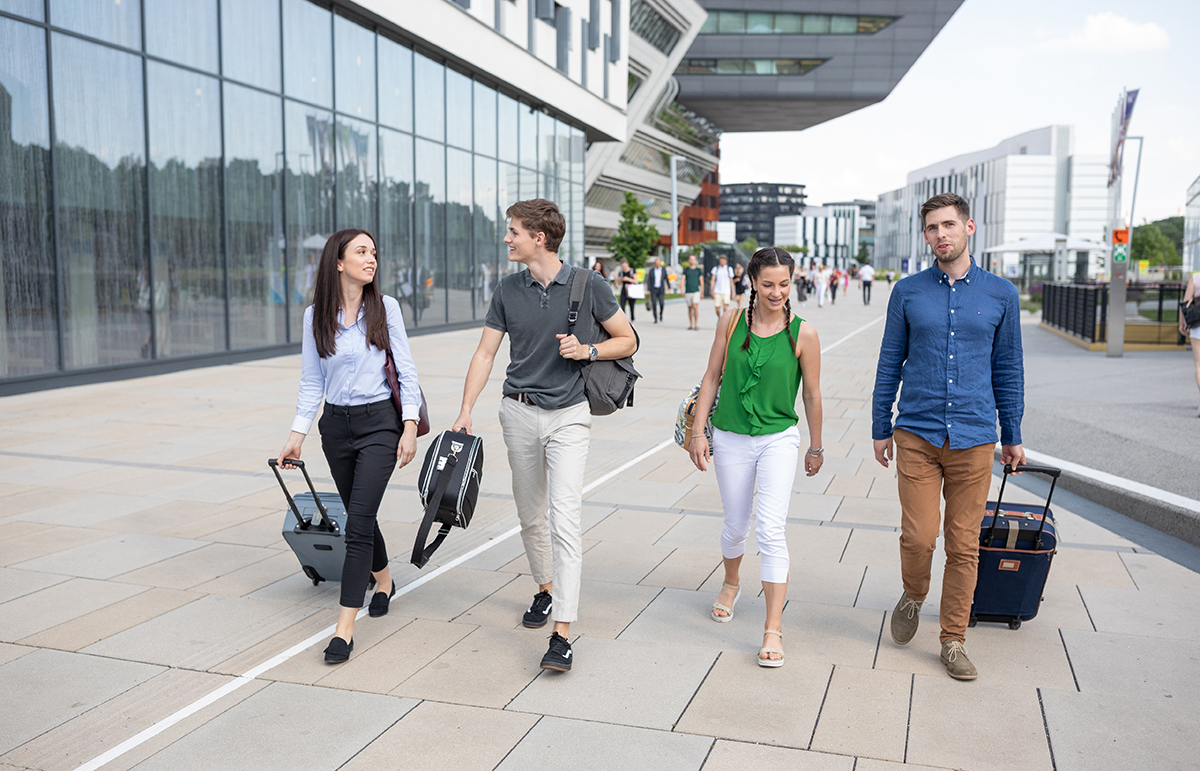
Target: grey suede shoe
905,619
958,666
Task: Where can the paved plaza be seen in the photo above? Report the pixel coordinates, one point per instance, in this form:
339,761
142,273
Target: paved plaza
150,610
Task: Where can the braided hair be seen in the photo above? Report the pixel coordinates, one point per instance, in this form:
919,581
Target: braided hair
768,257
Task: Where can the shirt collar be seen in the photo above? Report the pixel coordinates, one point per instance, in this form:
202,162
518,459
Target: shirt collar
561,278
972,272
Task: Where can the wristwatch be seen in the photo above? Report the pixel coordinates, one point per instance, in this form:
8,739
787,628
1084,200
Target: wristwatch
592,352
818,452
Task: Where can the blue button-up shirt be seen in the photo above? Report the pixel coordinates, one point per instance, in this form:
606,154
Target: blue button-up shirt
353,375
957,347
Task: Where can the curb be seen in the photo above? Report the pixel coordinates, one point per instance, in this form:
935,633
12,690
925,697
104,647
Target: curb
1176,521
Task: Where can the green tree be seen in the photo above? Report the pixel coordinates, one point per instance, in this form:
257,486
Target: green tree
1148,243
863,256
1172,228
635,235
750,244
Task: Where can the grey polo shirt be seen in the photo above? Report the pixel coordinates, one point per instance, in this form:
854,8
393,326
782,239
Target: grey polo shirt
532,316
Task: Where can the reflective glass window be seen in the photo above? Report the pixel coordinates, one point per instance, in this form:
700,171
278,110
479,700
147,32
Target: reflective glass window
28,322
354,48
843,25
254,217
460,263
731,66
787,23
307,52
309,180
458,109
562,149
508,186
430,86
356,158
488,233
395,84
578,151
185,211
528,128
485,120
546,150
710,23
575,226
250,42
430,233
530,185
119,23
183,32
30,9
395,219
506,128
815,24
99,188
731,22
758,23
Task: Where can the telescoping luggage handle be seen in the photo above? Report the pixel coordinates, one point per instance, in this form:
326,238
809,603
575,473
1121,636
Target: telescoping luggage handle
302,523
1049,471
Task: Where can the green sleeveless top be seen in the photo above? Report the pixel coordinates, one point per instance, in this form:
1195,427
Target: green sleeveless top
758,390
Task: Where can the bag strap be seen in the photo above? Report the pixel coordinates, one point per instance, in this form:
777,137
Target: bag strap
421,553
579,284
733,322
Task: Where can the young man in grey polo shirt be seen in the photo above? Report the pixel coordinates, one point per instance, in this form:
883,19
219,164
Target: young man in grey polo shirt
544,414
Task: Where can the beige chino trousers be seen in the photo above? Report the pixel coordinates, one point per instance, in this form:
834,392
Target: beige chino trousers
547,452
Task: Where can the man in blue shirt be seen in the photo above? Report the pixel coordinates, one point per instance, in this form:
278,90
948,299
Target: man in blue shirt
953,336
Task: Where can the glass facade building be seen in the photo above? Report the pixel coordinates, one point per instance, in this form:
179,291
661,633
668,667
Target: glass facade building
170,172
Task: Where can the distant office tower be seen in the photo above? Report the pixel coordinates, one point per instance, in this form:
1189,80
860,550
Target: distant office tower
755,206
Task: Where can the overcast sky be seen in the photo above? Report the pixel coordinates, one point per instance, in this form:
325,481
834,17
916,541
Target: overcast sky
999,68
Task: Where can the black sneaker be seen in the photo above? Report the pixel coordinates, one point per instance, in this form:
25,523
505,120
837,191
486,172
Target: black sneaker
558,658
539,611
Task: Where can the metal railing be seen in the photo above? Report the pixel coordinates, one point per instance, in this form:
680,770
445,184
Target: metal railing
1151,311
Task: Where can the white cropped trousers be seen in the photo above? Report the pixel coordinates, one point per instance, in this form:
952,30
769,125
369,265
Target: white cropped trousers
766,463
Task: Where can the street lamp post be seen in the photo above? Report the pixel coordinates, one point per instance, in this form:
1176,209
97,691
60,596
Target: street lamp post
674,209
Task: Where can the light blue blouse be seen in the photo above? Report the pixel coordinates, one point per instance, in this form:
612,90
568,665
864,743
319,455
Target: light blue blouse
353,375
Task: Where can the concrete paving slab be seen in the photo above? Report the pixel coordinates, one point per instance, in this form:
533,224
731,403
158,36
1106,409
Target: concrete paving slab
253,577
624,563
703,497
599,688
871,764
1092,731
1134,666
38,498
639,492
675,467
47,688
164,517
90,511
633,527
742,701
865,713
499,555
1075,530
14,528
504,607
45,470
57,604
683,618
50,540
821,582
1174,614
309,667
261,732
869,511
607,609
283,640
111,619
383,666
847,485
684,569
873,547
695,532
813,507
750,573
882,586
108,724
18,583
1091,567
437,735
814,485
202,633
487,668
451,595
945,710
603,747
295,588
197,566
1150,572
735,756
112,556
1063,607
13,652
884,489
814,542
257,527
831,633
196,519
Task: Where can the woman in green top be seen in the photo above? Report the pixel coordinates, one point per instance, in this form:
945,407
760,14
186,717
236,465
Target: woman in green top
755,440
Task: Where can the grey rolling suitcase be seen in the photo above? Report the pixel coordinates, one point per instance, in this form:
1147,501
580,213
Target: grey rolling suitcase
314,525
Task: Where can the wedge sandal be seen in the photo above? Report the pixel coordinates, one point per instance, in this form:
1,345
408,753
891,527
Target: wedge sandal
727,608
771,662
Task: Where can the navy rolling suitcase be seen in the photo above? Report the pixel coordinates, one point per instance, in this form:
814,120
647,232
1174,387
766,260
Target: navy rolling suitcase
1016,545
313,526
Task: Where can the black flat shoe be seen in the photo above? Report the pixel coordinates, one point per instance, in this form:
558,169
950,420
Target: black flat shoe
338,651
380,601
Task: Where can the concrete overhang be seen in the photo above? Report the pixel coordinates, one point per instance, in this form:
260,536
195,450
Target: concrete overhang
441,28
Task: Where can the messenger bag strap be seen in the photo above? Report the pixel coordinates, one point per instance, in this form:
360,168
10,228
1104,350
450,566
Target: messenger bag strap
421,553
733,322
579,282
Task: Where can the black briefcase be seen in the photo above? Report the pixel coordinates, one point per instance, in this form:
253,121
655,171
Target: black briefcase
449,486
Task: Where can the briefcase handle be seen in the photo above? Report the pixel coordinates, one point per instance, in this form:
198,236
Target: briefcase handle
301,521
1049,471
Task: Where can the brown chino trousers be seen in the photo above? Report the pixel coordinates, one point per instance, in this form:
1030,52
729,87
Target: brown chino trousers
963,477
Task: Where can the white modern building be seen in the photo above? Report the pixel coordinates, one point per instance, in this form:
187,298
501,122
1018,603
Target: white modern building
829,232
1028,185
1191,228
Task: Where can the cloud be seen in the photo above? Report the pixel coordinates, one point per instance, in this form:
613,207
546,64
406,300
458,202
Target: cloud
1109,33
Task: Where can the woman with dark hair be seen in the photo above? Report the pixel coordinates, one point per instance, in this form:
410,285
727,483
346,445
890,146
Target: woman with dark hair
755,439
627,277
740,284
347,331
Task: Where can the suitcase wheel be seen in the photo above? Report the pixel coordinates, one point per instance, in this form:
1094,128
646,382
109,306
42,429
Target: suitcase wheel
312,573
316,582
1014,623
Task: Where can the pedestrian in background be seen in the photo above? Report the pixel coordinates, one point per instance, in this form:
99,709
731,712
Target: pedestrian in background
722,284
693,290
656,287
1189,295
835,280
866,274
544,413
755,440
822,282
953,336
626,277
598,266
347,331
739,284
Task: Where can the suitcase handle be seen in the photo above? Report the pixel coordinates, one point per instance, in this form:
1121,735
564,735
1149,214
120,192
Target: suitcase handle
1049,471
302,523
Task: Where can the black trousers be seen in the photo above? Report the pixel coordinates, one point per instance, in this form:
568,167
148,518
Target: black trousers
657,301
627,305
866,292
360,444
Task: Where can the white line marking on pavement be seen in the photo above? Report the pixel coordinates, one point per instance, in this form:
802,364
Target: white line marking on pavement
868,325
1154,493
300,647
